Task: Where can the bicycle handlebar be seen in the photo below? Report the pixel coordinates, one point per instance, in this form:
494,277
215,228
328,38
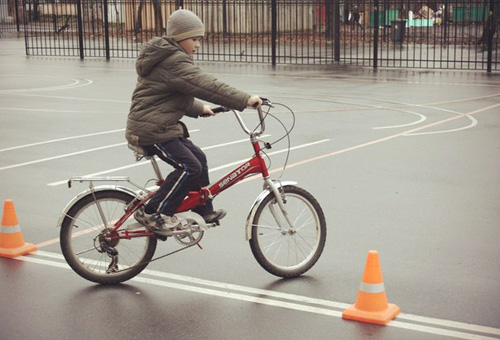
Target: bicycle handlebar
265,101
220,109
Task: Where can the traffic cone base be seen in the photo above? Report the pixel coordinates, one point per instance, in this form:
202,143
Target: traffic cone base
381,318
15,252
371,304
11,238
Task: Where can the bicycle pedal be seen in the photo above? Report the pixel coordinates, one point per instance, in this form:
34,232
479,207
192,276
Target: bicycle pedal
213,224
161,237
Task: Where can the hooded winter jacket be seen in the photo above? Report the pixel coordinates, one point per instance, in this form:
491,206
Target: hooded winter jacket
167,86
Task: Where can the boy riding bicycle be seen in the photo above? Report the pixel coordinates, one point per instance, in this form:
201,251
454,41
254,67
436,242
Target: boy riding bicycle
166,90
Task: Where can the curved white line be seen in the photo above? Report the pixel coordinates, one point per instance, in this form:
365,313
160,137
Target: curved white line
473,123
74,84
422,119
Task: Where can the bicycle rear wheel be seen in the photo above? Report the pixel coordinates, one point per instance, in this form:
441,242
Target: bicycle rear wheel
86,242
284,250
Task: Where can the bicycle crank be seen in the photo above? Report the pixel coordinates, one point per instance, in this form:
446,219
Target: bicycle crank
194,228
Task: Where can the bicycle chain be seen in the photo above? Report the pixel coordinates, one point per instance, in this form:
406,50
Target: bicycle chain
156,258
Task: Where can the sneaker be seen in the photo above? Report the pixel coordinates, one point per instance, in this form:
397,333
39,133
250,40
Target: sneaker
157,223
215,216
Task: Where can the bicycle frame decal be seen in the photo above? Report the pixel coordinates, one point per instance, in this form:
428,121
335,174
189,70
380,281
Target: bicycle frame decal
251,167
256,165
231,177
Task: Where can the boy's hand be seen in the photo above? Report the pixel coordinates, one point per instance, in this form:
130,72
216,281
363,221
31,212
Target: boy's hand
207,111
254,101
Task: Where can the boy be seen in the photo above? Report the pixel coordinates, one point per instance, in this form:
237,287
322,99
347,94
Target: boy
166,89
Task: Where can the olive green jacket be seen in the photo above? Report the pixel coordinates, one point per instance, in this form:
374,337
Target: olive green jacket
166,89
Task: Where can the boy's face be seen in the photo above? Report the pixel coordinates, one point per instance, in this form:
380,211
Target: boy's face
191,45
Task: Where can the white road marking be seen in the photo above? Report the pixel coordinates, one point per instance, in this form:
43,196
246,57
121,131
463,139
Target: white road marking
418,121
384,139
471,125
61,140
300,303
60,156
65,155
74,84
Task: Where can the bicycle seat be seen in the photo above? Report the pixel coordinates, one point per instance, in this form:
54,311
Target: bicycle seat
140,150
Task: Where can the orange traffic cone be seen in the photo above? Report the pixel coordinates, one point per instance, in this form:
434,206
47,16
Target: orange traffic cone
371,305
11,238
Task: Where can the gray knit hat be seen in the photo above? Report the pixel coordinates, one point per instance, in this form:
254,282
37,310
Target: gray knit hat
184,24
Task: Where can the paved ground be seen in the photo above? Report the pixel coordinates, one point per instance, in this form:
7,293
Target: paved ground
403,162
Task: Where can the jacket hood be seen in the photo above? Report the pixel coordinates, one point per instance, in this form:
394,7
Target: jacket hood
154,52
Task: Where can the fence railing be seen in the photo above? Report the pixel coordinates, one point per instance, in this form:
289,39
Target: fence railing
445,34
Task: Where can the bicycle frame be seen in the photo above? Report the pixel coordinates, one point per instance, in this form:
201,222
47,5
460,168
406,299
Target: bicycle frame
253,166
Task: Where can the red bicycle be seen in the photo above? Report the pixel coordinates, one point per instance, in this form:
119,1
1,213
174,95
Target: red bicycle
103,243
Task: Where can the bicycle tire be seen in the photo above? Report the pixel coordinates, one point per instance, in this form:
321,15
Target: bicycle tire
283,251
80,236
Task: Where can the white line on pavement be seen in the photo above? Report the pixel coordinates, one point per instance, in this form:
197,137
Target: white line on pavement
267,297
60,140
65,155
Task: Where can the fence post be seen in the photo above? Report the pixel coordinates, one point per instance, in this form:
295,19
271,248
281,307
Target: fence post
17,14
329,13
375,34
224,18
106,29
445,24
336,32
274,29
80,27
492,22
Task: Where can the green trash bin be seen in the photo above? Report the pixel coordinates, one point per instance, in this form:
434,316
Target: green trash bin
398,28
459,14
478,14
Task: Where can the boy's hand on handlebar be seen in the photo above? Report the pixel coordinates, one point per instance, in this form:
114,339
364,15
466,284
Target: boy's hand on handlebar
254,101
207,111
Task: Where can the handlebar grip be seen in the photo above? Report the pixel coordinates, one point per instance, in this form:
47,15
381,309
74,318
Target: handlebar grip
265,101
220,109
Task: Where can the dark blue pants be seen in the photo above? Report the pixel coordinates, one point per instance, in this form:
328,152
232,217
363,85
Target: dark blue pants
190,174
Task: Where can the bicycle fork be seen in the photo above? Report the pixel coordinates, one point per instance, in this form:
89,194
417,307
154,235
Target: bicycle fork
272,188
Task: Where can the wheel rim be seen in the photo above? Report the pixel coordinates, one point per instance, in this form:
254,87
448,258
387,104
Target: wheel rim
289,249
85,233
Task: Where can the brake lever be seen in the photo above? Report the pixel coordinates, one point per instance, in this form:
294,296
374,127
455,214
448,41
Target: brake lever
266,102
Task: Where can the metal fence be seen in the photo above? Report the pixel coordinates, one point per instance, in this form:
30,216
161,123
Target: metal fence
445,34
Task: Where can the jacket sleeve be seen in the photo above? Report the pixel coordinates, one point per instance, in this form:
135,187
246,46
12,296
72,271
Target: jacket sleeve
196,109
191,80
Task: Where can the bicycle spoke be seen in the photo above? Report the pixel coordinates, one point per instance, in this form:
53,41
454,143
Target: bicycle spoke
288,251
93,250
85,251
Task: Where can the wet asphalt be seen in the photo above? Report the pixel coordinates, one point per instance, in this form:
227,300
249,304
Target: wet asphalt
404,162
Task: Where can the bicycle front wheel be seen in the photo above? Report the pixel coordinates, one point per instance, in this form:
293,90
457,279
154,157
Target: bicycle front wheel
87,244
288,250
